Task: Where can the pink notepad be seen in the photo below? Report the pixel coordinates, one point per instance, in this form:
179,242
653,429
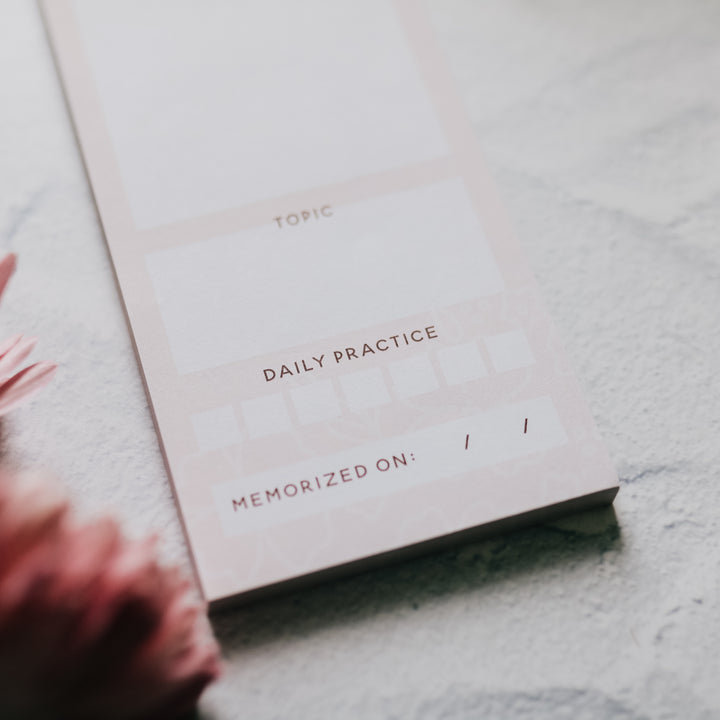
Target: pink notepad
346,355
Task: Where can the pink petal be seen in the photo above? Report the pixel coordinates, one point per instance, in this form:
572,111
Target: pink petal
91,624
7,268
7,344
14,355
24,384
31,511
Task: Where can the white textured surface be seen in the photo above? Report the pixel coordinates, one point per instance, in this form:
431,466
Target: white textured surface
601,122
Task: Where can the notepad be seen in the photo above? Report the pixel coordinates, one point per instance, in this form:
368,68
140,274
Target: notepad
347,357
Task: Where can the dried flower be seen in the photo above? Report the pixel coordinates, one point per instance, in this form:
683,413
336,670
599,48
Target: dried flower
91,626
16,387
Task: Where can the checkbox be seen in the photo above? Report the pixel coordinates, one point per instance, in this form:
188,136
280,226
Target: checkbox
509,350
414,376
315,402
266,416
216,428
461,363
365,389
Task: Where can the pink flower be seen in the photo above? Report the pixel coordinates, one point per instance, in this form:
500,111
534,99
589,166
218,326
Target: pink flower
16,387
91,625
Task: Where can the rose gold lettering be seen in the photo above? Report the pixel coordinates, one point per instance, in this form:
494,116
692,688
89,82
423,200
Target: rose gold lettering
360,471
273,494
345,475
241,503
287,492
305,486
255,499
304,215
330,477
296,367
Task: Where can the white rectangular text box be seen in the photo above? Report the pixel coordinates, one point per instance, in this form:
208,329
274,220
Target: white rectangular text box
265,289
249,504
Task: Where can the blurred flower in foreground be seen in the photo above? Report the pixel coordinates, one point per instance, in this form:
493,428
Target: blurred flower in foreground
91,626
15,387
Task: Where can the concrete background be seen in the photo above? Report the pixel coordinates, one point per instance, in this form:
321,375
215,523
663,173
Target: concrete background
601,123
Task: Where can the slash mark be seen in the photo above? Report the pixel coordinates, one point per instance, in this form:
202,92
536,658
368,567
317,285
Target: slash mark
467,440
525,430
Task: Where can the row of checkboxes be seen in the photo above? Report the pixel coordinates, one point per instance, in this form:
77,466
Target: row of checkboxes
361,390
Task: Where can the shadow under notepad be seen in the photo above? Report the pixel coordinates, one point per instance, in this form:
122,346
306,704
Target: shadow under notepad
575,539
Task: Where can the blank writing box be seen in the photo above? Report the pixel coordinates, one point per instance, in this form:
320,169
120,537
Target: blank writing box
376,260
231,103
